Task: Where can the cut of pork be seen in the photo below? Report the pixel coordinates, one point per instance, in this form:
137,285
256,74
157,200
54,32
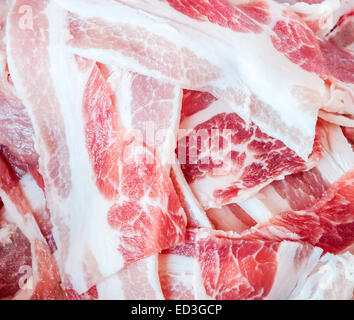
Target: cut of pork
349,134
197,50
340,64
97,180
225,160
230,218
343,34
27,267
229,267
332,279
137,281
196,216
150,110
15,177
329,224
16,131
176,269
302,190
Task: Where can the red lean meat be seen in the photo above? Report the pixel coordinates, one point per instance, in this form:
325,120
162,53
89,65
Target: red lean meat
176,149
225,160
185,46
301,191
27,268
142,213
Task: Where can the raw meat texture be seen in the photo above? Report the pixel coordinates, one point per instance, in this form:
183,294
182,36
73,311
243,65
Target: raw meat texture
16,131
332,279
343,34
137,281
89,111
15,251
225,160
340,63
4,9
141,178
330,20
20,183
349,134
322,16
23,249
227,265
87,158
329,224
302,190
208,63
176,269
230,218
150,110
230,267
196,216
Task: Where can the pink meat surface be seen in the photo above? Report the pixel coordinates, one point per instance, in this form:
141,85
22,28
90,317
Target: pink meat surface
225,160
188,149
142,213
328,224
25,252
182,60
232,267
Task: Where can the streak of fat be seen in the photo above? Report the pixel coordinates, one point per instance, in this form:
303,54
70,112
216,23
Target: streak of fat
84,211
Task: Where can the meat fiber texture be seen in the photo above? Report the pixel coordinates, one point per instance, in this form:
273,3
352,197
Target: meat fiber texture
176,150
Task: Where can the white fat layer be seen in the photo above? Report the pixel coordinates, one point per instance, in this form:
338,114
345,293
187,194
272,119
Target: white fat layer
295,261
249,59
84,211
224,219
121,83
6,231
110,289
256,209
191,205
33,192
332,279
180,268
177,265
152,267
113,288
338,157
270,201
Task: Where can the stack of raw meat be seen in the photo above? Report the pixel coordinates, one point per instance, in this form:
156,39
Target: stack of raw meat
176,149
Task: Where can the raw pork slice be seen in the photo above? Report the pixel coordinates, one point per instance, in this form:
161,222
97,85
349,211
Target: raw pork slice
176,269
225,160
16,131
225,48
302,190
332,279
31,184
230,218
137,281
149,110
230,267
98,179
329,224
27,267
343,34
196,216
